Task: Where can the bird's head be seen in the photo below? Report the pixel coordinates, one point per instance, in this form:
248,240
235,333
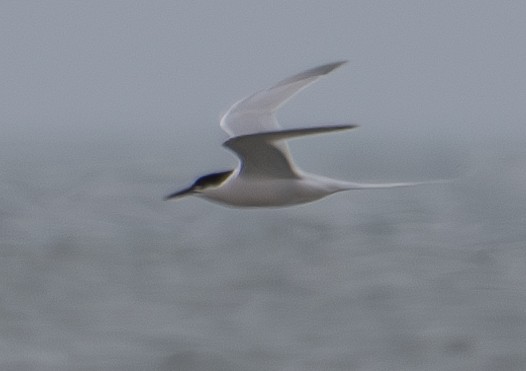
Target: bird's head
208,181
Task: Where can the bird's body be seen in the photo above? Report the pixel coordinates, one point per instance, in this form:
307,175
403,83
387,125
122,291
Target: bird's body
266,175
268,192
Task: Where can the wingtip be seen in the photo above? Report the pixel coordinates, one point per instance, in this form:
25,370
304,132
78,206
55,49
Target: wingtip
344,126
315,72
329,67
339,63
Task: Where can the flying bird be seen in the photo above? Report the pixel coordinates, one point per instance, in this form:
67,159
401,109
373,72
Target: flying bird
266,175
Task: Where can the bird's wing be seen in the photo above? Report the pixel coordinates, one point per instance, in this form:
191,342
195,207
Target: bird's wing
262,158
255,113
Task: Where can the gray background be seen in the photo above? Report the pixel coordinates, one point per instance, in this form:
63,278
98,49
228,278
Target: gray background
106,106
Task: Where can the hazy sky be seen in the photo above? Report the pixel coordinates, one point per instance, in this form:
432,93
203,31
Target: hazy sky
163,71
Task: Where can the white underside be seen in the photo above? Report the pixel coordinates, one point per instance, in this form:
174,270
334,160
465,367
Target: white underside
258,192
241,191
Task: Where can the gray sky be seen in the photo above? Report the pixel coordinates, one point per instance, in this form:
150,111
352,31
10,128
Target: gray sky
161,72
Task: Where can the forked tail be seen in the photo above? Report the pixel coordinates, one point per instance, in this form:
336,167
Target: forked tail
345,186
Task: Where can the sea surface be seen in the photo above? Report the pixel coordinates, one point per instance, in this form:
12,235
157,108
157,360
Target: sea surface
98,273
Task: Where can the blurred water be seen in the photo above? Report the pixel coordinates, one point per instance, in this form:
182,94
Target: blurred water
98,273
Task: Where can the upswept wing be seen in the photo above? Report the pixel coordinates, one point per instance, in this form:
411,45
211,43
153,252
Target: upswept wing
255,113
261,156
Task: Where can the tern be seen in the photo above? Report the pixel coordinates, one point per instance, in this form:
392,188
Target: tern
266,175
